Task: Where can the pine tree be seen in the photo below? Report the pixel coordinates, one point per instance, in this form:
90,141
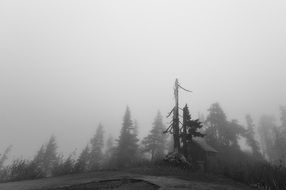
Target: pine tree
220,132
50,156
96,146
63,165
82,162
39,157
37,167
127,142
250,137
155,142
216,122
190,129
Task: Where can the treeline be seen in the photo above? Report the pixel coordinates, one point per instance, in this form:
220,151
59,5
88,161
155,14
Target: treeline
125,151
264,165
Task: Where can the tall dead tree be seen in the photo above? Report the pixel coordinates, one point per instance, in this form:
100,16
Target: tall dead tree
176,120
174,128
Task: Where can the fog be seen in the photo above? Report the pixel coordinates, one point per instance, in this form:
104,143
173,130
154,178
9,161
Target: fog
66,66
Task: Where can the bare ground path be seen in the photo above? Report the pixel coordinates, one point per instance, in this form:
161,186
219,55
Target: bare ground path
163,182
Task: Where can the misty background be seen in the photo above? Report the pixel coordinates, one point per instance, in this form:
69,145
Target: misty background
66,66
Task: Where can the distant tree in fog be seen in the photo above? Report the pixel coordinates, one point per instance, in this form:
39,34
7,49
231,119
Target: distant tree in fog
216,122
63,165
46,158
155,142
250,137
82,162
266,131
223,135
128,142
96,147
50,155
220,132
39,159
4,156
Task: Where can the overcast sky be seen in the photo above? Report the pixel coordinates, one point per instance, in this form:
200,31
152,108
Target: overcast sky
67,65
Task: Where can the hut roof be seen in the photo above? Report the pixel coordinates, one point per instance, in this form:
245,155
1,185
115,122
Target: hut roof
204,145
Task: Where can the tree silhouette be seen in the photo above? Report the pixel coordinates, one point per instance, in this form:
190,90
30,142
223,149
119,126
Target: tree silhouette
190,129
216,125
82,162
155,142
127,142
220,132
96,146
50,155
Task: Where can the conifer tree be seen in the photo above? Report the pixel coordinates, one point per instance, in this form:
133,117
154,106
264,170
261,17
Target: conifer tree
217,126
50,155
250,138
155,142
127,142
37,167
190,129
96,146
82,162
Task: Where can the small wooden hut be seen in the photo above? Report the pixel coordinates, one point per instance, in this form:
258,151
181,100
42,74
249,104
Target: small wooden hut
201,153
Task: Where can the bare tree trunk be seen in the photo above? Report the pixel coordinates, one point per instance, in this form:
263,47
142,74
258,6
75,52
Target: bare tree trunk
176,119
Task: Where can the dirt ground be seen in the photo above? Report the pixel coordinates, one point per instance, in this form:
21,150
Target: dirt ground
147,182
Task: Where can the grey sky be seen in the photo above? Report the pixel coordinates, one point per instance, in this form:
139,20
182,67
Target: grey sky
67,65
